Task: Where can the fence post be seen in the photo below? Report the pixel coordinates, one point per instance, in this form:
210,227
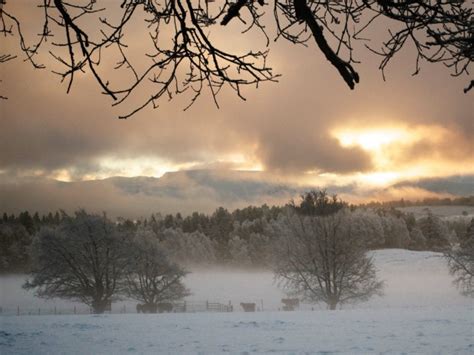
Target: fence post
54,310
207,305
184,307
39,311
17,310
74,309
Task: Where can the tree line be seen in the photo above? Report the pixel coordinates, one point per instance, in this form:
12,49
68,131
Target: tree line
317,248
242,237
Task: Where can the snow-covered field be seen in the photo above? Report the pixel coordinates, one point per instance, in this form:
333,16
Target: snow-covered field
421,312
440,211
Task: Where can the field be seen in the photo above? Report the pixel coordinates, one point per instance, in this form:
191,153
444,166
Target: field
421,312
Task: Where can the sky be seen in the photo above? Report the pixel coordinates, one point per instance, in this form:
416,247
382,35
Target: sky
382,140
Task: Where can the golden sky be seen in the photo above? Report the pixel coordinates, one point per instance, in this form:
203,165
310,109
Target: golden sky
308,129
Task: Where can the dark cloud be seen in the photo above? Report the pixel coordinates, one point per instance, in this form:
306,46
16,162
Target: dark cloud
454,145
201,190
291,151
184,192
456,185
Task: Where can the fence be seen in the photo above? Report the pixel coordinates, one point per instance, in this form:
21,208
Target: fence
178,307
192,307
28,311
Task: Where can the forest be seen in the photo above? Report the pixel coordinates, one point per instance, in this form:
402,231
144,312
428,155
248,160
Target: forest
245,237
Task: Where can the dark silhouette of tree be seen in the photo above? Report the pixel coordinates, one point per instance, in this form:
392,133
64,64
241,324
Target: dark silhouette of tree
14,247
27,221
220,229
318,203
186,57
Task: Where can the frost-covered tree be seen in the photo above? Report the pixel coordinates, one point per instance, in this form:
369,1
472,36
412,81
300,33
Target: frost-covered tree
395,231
151,276
189,248
461,262
259,249
370,227
458,225
238,249
82,259
417,239
434,230
324,259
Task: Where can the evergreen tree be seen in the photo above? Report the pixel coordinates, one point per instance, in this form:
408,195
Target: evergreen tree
27,221
57,218
221,227
318,203
435,231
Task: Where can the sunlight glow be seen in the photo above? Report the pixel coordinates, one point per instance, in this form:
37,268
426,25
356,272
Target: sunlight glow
387,146
380,178
111,166
143,166
61,175
373,139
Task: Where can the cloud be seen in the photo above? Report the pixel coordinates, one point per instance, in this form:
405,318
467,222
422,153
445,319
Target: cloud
454,185
299,151
284,128
184,192
198,190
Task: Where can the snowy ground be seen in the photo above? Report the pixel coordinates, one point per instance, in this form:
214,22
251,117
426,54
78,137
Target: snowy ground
440,211
428,331
420,313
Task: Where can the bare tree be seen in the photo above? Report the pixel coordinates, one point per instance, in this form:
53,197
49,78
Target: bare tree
461,262
151,277
184,56
323,259
82,259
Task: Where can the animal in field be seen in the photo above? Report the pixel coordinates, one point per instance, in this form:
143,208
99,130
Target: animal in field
289,304
164,307
147,308
248,307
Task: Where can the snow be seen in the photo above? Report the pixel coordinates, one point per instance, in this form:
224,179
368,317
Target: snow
440,211
430,330
421,313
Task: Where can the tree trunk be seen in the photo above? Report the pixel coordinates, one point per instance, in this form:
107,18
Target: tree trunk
99,307
332,304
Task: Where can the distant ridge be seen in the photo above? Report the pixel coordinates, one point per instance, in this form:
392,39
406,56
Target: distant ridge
198,190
